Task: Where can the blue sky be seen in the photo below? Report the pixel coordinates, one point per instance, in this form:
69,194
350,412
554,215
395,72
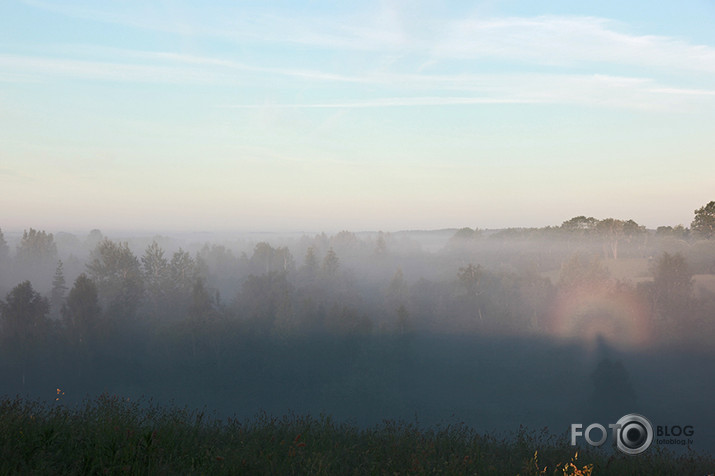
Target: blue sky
312,116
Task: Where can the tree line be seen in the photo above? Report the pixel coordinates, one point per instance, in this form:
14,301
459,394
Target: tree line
213,310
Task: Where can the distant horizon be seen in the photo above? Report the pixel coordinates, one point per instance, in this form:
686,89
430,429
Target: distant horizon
238,231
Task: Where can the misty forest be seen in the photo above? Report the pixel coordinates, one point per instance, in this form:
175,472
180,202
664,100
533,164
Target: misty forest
578,322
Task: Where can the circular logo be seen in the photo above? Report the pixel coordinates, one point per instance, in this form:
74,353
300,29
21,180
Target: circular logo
634,434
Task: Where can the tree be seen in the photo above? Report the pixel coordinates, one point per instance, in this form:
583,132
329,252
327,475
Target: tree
116,271
464,239
81,316
59,289
579,271
345,241
470,278
310,264
267,259
580,225
37,247
261,260
202,313
672,285
94,238
155,269
631,230
81,311
202,305
380,245
466,234
4,249
678,232
403,320
397,289
24,312
704,223
610,230
36,256
265,299
154,265
4,259
284,259
331,263
346,321
24,323
182,274
182,271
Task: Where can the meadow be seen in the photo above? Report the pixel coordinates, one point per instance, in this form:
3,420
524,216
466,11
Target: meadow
113,435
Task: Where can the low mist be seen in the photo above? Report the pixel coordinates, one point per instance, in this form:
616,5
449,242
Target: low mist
542,327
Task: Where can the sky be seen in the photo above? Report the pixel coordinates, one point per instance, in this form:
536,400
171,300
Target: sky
323,116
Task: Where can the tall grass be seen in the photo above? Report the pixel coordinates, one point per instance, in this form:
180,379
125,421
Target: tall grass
110,435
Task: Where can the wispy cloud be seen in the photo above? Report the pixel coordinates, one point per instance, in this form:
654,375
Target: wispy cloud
148,66
377,38
15,77
387,29
374,31
549,40
415,90
29,68
388,102
140,15
685,92
600,91
239,66
564,40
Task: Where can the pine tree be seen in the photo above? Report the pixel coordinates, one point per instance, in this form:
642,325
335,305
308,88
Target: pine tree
59,290
310,265
4,259
23,320
81,312
331,263
4,249
156,276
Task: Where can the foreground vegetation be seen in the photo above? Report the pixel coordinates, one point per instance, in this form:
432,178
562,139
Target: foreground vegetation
116,436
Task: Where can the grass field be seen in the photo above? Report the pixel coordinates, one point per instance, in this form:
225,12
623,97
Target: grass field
110,435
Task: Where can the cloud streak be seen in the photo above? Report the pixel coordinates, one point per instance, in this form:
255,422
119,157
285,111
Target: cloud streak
388,102
551,40
29,68
427,89
587,90
151,67
564,40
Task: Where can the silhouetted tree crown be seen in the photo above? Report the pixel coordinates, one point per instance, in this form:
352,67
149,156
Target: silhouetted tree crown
24,313
580,224
37,248
81,312
59,289
4,248
704,223
331,263
311,265
117,273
